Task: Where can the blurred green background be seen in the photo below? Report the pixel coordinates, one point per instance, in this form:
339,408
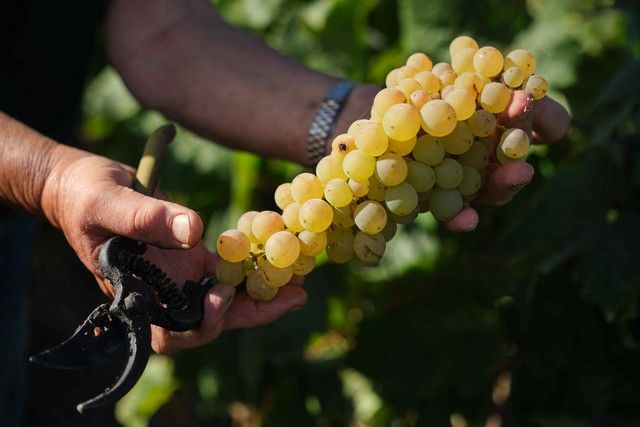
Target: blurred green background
531,320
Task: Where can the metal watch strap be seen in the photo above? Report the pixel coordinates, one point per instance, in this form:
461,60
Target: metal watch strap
325,120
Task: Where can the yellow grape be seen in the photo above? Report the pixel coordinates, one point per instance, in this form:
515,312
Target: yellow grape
463,102
401,122
458,141
447,78
420,176
303,265
275,276
514,143
522,59
330,167
406,71
386,98
282,249
370,138
358,165
469,81
341,250
488,61
290,216
462,61
513,77
316,215
428,150
306,186
462,42
338,193
419,97
402,148
495,97
282,195
446,91
440,68
369,248
391,80
438,117
343,217
408,86
312,244
537,86
391,169
343,144
420,62
482,123
448,174
370,217
266,223
233,245
358,188
471,181
401,199
430,82
230,273
258,288
244,224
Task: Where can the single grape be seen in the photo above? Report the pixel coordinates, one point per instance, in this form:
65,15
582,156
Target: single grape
402,148
401,199
376,189
282,248
446,91
266,223
303,265
522,59
440,68
370,216
371,138
342,144
447,78
369,247
258,288
341,250
282,195
401,121
316,215
428,150
513,77
514,143
462,101
233,245
290,216
244,224
275,276
462,61
389,230
306,186
482,123
359,165
358,188
391,80
471,181
503,159
330,167
470,81
385,99
445,204
420,61
438,117
338,193
537,86
495,97
343,217
462,42
391,169
488,61
430,82
418,98
477,156
448,174
406,71
312,244
420,176
458,141
230,273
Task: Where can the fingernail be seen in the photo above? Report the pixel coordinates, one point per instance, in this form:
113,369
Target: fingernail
181,227
296,308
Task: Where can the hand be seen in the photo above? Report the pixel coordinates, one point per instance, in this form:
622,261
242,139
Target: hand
90,199
546,122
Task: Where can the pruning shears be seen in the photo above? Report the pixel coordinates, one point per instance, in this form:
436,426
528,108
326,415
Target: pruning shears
144,295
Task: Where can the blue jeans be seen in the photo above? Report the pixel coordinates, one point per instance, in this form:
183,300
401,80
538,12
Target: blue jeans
16,238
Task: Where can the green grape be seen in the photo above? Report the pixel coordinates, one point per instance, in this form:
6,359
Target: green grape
304,265
537,86
471,181
370,217
391,169
376,189
275,276
370,138
420,62
458,141
408,86
482,123
338,193
448,174
359,165
522,59
438,117
488,61
445,204
233,245
402,148
316,215
389,230
282,195
488,143
230,273
290,216
369,247
282,248
514,143
312,244
341,250
477,156
428,150
430,82
358,188
343,217
266,223
244,224
385,99
462,61
463,102
306,186
258,288
401,122
423,201
420,176
513,77
401,199
495,97
462,42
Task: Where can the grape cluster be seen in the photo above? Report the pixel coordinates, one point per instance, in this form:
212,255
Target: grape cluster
431,134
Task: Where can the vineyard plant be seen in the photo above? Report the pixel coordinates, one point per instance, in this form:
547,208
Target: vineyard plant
533,319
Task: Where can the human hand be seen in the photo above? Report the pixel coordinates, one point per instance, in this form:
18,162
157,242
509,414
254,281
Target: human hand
90,199
546,122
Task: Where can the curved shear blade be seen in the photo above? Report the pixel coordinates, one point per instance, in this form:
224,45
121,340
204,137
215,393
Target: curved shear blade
138,331
92,344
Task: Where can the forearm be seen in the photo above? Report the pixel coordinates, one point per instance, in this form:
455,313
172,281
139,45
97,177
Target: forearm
220,81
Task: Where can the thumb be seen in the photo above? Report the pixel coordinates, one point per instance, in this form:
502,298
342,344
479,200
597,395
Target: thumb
139,217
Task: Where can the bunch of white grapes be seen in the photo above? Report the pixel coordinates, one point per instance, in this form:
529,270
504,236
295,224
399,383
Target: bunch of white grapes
425,148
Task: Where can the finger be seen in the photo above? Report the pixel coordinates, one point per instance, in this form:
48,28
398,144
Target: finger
297,281
216,304
504,182
519,113
466,220
123,211
246,313
550,120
